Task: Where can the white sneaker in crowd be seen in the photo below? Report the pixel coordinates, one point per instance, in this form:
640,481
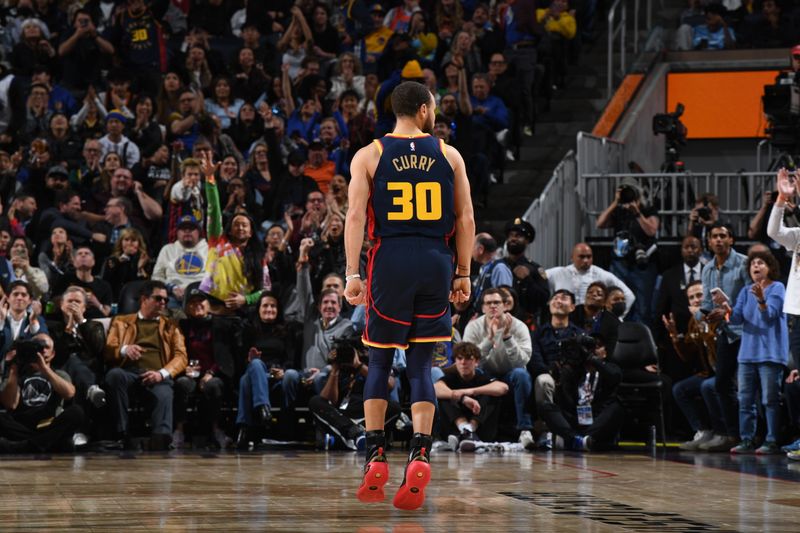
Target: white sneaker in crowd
700,437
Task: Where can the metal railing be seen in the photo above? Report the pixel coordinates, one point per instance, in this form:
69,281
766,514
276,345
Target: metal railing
599,155
674,196
618,27
554,214
615,30
763,150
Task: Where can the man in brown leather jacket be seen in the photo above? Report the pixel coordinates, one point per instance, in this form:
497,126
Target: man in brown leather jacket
147,351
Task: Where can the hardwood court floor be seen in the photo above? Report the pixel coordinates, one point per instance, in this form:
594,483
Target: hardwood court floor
314,492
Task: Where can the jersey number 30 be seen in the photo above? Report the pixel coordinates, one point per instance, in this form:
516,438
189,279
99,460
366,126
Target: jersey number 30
424,198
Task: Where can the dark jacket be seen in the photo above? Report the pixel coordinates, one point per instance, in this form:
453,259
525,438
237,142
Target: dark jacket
274,341
225,337
609,376
533,290
547,347
605,324
87,343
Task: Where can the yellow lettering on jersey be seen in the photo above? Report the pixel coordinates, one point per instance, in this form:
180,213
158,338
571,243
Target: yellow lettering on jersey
413,162
139,35
425,198
404,201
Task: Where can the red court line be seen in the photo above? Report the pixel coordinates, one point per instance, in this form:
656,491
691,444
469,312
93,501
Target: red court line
600,473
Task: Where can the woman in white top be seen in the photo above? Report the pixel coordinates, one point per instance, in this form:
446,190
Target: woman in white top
790,238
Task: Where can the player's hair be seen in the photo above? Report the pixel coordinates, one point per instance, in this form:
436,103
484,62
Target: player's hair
408,97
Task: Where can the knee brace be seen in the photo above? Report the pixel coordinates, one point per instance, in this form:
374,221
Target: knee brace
380,365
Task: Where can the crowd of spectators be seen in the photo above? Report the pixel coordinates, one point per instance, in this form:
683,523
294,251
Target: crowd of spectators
173,177
728,24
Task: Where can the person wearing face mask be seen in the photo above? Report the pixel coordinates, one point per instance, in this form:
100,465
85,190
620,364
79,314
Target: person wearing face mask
530,279
582,273
615,302
696,347
210,342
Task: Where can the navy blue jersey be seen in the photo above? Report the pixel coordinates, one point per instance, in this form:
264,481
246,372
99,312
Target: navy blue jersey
412,191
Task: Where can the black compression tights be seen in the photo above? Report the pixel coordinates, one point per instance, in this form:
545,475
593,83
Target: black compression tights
418,370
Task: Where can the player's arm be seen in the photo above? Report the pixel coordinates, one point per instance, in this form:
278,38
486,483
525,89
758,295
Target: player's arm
358,196
465,222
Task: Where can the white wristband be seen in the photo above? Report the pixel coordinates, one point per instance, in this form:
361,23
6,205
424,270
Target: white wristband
352,276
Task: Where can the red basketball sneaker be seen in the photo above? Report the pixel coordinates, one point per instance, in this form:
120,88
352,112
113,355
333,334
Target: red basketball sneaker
376,474
411,494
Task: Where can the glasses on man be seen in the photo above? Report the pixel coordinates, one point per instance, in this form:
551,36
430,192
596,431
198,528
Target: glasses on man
316,200
492,303
159,299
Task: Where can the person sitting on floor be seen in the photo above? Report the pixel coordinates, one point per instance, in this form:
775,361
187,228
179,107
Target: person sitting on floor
468,400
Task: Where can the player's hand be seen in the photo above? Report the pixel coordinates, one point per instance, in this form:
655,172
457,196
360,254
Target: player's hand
354,292
460,290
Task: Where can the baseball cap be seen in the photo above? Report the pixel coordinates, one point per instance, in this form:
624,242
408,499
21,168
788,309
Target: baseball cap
117,114
297,158
193,292
316,144
377,8
188,220
57,171
522,226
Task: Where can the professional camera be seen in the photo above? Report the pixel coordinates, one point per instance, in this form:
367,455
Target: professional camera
27,352
575,351
781,103
670,125
628,194
625,245
344,352
705,211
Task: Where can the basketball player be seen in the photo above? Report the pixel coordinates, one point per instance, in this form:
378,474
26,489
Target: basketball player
414,191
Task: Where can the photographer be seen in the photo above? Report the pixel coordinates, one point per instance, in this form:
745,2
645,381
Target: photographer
635,228
585,412
341,400
704,214
33,394
472,406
